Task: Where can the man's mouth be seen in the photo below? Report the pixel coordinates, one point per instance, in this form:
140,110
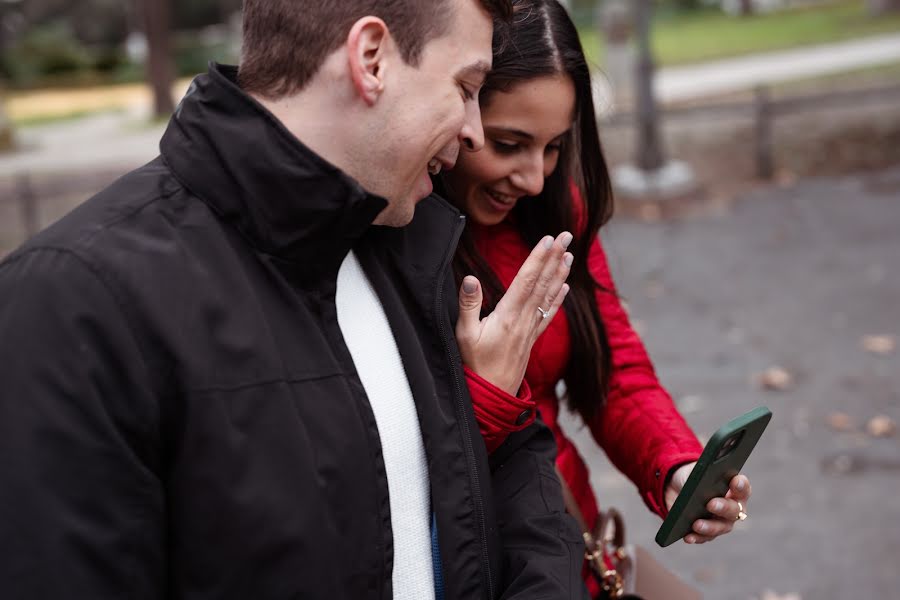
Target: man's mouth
434,166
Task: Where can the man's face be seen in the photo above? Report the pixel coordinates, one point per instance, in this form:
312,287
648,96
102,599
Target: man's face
431,109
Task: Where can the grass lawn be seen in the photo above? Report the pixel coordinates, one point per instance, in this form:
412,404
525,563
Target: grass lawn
688,37
39,107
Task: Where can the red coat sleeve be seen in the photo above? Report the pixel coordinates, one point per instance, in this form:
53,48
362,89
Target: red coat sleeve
498,412
640,429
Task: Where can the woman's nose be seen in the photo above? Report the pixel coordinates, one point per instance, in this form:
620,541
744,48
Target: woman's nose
530,178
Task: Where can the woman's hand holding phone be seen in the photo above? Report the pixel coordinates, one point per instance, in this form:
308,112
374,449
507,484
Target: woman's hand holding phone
725,510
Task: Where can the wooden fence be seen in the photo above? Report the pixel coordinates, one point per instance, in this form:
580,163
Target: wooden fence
764,110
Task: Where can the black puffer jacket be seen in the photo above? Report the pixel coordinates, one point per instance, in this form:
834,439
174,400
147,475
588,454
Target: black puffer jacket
179,414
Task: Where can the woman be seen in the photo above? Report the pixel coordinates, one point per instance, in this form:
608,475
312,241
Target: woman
542,171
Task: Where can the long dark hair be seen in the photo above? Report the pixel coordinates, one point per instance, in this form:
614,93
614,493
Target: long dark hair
541,40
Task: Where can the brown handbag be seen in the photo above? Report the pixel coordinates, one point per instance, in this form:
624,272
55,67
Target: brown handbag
624,571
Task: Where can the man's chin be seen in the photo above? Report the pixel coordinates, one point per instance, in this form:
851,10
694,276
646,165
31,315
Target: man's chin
397,214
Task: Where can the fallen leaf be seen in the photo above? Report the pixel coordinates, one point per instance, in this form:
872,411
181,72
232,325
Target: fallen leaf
654,289
842,464
688,405
707,574
736,336
876,274
881,426
770,595
639,326
840,421
775,378
879,344
651,213
785,178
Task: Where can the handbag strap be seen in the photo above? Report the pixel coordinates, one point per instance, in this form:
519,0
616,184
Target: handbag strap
600,533
571,504
611,580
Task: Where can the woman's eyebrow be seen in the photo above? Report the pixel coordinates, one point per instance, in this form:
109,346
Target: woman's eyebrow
510,131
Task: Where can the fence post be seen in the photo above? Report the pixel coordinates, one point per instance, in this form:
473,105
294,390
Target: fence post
765,167
27,204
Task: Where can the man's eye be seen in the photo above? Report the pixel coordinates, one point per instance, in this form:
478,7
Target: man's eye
468,93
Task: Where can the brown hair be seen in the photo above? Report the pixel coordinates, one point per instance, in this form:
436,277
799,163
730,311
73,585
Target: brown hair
286,41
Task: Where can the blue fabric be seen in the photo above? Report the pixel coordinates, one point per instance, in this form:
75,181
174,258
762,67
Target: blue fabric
436,561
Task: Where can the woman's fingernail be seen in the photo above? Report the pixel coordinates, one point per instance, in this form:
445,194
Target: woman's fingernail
565,239
740,484
717,505
469,286
548,242
569,259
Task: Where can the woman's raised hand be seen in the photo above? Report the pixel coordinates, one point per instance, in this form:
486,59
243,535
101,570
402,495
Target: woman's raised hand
497,347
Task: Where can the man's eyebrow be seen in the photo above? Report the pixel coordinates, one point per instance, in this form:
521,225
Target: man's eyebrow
476,69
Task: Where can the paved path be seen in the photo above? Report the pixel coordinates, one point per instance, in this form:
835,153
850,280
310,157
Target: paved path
736,74
99,142
792,277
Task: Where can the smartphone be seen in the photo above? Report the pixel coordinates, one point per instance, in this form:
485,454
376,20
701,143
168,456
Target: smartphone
722,459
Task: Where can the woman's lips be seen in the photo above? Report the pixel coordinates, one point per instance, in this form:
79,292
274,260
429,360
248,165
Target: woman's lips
500,202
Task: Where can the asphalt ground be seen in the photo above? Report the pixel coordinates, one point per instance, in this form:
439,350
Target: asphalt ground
792,277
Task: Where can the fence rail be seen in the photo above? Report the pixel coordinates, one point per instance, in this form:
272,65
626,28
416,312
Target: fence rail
763,109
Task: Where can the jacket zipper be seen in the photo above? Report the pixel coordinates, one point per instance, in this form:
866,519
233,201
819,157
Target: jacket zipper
460,408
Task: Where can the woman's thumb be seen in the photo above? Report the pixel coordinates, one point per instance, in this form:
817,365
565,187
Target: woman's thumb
469,304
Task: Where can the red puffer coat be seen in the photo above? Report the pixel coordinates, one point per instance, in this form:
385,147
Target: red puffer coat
639,429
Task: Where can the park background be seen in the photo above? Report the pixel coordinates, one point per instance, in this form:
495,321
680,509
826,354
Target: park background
755,147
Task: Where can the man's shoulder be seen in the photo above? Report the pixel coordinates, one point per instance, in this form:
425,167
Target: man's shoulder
143,208
124,204
130,234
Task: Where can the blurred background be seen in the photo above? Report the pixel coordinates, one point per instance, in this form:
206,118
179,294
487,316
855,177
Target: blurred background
755,147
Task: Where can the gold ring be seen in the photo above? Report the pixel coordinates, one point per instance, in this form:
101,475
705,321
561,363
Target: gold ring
741,516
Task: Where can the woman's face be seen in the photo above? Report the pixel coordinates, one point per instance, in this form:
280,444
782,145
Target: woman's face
523,130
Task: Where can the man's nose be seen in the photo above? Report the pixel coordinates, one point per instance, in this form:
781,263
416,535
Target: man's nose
472,134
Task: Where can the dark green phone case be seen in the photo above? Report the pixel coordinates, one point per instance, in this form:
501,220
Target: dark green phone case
712,473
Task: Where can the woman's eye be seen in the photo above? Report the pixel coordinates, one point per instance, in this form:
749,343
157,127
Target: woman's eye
505,147
553,148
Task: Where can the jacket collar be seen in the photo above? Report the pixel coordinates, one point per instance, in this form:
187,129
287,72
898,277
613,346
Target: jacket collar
238,158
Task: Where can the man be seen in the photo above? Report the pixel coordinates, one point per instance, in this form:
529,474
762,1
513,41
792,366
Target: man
231,375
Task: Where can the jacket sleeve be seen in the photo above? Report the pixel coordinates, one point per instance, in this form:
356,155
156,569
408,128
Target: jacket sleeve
640,429
542,546
498,412
81,510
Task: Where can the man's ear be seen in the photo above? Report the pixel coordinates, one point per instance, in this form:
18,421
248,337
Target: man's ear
367,47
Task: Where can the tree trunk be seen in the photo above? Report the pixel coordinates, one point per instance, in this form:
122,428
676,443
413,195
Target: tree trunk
160,69
746,7
880,7
6,130
650,153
